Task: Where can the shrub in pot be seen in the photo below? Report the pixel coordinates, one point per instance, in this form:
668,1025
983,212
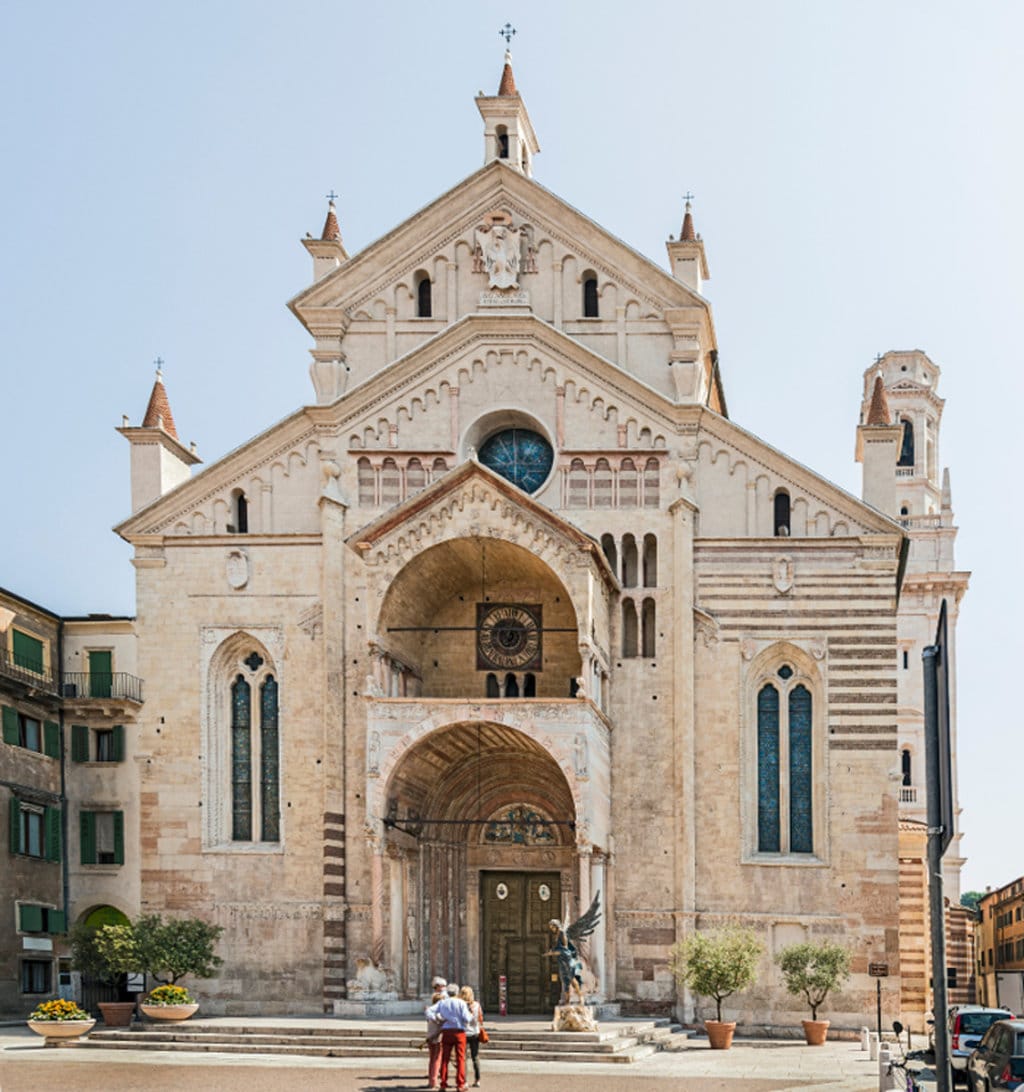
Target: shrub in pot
717,964
106,963
813,971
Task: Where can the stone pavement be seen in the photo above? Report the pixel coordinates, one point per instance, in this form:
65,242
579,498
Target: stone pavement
750,1066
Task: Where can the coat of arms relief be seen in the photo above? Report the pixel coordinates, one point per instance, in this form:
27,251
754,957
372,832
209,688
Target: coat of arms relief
503,251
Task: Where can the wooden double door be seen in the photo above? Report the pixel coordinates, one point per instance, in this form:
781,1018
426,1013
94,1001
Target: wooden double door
517,907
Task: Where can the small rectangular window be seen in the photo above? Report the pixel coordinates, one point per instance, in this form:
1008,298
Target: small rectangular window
105,837
36,976
30,733
951,977
31,840
105,745
906,659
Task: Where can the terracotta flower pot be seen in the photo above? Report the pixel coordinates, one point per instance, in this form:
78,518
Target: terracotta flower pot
117,1014
720,1033
61,1032
816,1031
168,1012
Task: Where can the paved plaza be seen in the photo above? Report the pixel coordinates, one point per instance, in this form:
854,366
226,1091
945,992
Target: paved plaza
750,1066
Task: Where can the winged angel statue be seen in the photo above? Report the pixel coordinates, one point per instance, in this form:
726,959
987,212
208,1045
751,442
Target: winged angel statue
563,945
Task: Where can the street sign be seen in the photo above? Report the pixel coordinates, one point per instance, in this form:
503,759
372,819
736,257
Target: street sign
878,970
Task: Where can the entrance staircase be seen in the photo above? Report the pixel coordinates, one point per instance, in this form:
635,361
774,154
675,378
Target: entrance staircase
620,1040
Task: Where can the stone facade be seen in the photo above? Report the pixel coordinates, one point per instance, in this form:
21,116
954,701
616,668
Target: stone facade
392,679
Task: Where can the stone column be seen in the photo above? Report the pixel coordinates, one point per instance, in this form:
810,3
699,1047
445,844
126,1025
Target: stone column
453,418
557,292
377,904
452,290
390,339
396,909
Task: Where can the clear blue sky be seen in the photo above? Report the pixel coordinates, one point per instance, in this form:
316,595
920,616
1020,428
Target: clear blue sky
858,172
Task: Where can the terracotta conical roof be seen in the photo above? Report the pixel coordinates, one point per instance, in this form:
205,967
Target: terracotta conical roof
508,81
688,235
332,231
878,411
158,412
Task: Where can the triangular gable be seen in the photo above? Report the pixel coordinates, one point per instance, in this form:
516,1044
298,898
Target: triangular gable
425,519
421,235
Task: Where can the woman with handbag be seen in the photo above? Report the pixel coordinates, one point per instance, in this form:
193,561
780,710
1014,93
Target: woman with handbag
475,1033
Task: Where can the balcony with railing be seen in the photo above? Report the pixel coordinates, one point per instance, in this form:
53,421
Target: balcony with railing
28,671
89,687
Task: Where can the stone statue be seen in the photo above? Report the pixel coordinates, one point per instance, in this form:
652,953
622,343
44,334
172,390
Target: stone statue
563,945
500,248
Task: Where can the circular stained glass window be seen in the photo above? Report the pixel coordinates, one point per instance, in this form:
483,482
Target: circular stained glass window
521,456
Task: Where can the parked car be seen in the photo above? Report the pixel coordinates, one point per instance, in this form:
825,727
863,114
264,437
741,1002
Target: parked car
998,1061
967,1024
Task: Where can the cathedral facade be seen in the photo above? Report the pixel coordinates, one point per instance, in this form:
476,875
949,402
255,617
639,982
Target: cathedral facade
512,616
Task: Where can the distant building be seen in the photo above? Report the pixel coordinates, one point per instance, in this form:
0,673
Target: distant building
1000,947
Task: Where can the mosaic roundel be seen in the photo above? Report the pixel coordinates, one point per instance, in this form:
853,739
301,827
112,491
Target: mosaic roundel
521,456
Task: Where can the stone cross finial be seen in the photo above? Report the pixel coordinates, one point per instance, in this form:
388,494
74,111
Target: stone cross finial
508,33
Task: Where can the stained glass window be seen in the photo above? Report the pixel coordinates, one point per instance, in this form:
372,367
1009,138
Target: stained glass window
241,762
768,770
519,455
801,823
269,774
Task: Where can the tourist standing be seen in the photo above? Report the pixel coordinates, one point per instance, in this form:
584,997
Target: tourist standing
473,1031
454,1016
434,1034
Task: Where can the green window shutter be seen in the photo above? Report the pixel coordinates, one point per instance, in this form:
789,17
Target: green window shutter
28,652
31,919
10,726
51,739
79,743
119,743
118,837
56,921
15,814
87,826
51,826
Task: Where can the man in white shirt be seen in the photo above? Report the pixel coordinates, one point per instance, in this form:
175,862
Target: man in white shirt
453,1014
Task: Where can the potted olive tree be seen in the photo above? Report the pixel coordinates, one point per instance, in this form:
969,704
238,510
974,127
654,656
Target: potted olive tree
717,964
106,963
168,950
814,970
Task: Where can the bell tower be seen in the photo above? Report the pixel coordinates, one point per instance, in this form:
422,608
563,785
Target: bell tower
508,131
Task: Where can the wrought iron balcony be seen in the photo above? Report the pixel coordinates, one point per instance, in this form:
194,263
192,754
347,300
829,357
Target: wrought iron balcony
28,671
101,686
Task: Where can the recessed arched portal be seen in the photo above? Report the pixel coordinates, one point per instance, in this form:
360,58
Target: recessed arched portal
480,852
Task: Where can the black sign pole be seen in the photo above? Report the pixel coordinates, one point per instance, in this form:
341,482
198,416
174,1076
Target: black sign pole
940,828
878,1005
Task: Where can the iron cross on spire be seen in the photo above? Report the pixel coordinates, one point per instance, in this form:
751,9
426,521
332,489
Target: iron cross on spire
687,197
507,32
332,196
159,362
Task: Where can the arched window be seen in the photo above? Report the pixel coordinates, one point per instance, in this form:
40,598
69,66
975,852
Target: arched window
647,626
530,685
511,686
502,134
366,476
492,686
905,767
255,757
629,484
602,484
590,299
652,484
578,485
780,516
439,468
415,477
630,562
390,482
907,447
239,513
629,628
650,561
610,553
785,764
423,303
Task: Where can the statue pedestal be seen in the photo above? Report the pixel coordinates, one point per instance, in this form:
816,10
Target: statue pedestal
573,1018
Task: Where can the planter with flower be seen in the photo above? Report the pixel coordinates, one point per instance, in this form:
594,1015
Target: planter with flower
60,1022
169,1003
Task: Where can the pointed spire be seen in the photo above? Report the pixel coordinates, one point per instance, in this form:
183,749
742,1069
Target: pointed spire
687,234
158,412
332,231
508,81
878,411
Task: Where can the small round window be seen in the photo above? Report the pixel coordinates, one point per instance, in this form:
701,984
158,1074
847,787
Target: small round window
520,455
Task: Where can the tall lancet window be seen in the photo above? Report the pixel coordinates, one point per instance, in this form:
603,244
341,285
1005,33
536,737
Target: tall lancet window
255,754
907,446
786,763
